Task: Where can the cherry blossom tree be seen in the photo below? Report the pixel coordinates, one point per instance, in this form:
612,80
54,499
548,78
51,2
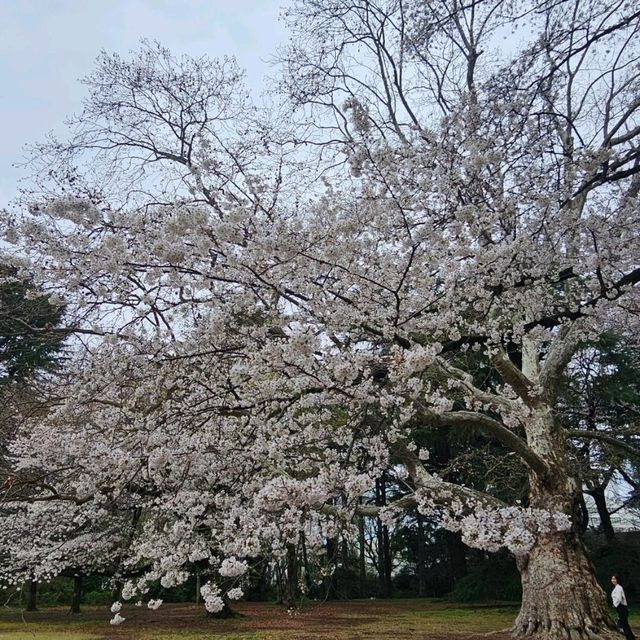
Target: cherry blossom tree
266,317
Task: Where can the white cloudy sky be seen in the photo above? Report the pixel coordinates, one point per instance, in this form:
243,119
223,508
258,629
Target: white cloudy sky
46,45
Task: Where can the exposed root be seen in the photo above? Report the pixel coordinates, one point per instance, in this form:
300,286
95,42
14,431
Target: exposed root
557,631
488,634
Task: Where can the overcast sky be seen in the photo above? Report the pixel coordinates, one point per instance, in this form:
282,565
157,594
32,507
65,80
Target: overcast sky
46,45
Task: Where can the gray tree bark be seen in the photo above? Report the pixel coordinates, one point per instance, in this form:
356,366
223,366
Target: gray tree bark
561,599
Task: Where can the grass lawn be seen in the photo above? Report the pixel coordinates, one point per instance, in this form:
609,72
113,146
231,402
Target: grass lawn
355,620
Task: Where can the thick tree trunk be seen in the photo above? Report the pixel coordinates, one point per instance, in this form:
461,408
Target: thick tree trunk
77,594
331,584
224,613
116,592
561,599
362,566
279,584
456,550
603,513
380,560
305,565
384,546
421,563
291,584
32,595
224,584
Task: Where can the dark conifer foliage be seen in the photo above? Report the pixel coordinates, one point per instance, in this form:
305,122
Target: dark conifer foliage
29,339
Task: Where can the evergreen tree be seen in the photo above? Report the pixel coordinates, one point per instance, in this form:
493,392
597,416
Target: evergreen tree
30,340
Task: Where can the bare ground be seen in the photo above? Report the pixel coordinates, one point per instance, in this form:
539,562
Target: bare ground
354,620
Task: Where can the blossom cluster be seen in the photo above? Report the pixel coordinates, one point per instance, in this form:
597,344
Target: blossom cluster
213,601
489,527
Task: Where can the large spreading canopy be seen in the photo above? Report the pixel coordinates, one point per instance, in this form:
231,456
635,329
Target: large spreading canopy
268,309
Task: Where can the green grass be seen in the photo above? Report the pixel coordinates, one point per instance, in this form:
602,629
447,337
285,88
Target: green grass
44,632
39,631
479,620
201,635
36,633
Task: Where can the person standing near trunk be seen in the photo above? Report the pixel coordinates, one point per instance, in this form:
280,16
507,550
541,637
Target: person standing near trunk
620,604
